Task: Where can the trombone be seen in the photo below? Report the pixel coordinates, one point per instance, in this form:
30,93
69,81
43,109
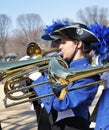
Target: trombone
59,78
15,73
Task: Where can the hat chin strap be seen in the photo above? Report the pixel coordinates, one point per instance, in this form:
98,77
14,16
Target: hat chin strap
73,55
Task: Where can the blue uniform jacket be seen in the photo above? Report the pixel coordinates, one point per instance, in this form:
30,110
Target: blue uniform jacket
78,100
102,122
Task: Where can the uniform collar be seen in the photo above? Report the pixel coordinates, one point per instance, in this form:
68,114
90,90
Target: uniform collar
79,63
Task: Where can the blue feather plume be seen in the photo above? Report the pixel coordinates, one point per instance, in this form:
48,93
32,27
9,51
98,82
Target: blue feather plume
50,28
101,48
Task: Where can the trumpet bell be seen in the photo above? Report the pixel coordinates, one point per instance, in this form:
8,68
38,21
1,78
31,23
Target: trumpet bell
34,51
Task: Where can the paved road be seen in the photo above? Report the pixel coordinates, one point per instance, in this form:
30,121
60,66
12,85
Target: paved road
21,117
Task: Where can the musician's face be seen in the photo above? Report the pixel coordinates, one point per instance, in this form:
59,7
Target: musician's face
68,47
55,44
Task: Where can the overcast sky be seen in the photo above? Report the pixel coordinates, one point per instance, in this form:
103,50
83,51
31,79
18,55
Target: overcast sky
48,9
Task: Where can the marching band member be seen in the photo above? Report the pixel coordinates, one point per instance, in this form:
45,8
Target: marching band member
102,50
71,113
102,121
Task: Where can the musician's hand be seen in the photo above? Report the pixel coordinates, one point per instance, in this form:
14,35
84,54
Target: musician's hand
105,76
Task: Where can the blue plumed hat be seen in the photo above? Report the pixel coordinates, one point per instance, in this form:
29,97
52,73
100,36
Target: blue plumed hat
76,31
55,25
101,48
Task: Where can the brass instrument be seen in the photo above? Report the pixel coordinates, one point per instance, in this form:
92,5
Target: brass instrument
34,51
15,73
59,77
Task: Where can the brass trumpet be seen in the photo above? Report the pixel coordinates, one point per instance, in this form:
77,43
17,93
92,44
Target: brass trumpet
34,51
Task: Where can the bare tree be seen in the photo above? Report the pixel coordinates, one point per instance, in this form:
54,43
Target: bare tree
30,28
93,14
5,23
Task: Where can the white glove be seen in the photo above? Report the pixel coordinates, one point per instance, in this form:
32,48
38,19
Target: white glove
34,76
105,76
24,58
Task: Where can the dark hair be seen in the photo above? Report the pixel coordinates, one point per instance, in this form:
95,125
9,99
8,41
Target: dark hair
87,47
